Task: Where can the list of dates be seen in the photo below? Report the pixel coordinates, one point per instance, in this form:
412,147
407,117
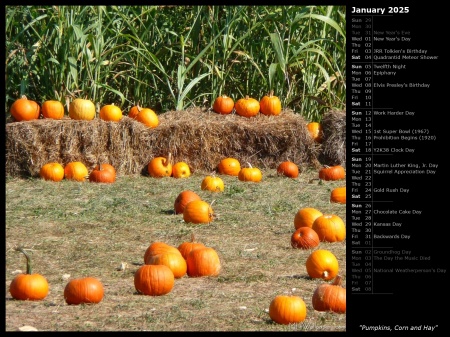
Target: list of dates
395,156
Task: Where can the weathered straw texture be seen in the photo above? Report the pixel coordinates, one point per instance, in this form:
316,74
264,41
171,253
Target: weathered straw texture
333,150
199,137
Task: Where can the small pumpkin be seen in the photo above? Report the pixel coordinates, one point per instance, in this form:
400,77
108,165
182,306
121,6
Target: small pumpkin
111,113
288,169
329,228
322,264
287,309
28,286
83,290
183,199
330,297
213,184
223,105
154,280
186,247
76,170
24,109
339,195
158,248
148,117
304,238
247,107
160,167
250,173
107,167
203,262
335,172
315,130
174,260
52,171
134,111
270,105
102,174
305,217
229,166
181,170
198,212
82,109
52,109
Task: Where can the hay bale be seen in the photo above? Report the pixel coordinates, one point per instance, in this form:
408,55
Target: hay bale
197,136
333,147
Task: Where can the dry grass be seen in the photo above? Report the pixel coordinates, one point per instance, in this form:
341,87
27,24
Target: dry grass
88,229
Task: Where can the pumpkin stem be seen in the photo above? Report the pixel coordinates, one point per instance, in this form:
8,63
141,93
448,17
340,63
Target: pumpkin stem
169,159
192,237
20,249
271,93
246,97
249,165
337,280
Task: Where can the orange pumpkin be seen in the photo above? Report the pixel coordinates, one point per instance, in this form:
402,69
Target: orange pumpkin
186,247
52,109
181,170
183,199
82,109
83,290
223,105
24,109
198,212
160,167
322,264
107,167
288,169
76,170
134,111
270,105
250,173
285,309
102,174
213,184
52,171
111,113
247,107
175,261
315,130
336,172
229,166
339,195
158,248
28,286
203,262
304,238
148,117
329,228
305,217
330,297
154,280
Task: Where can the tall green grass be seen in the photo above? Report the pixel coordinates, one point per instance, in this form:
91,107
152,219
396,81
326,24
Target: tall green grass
175,57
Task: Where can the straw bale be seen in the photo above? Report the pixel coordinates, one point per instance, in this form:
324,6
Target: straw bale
200,137
333,150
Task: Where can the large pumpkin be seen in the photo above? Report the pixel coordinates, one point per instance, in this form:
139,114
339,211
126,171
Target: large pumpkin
322,264
330,297
154,280
339,195
174,260
82,109
203,262
83,290
186,247
270,105
336,172
158,248
183,199
223,105
160,167
111,113
198,212
329,228
288,169
305,238
52,171
28,286
76,170
250,173
305,217
229,166
52,109
213,184
285,309
24,109
102,174
247,107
